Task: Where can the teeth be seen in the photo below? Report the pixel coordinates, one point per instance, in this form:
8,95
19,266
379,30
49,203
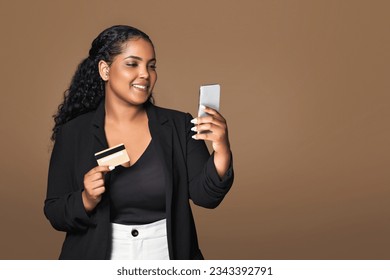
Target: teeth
140,87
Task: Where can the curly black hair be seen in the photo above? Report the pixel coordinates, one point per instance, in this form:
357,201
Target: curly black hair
86,89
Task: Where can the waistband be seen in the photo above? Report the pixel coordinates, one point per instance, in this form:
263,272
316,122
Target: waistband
146,231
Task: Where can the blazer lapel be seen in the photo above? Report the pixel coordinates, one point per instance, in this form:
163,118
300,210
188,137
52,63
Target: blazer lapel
98,128
161,130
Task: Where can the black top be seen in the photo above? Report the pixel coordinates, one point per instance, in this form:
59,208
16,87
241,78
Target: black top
137,193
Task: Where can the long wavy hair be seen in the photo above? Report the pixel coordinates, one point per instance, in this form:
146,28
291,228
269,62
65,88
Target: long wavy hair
86,89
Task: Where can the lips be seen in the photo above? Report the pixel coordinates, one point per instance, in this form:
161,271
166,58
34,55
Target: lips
140,87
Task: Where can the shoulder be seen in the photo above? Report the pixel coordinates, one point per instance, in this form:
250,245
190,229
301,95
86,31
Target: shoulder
76,128
79,123
171,114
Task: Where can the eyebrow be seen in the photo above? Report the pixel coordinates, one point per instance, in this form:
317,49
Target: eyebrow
139,58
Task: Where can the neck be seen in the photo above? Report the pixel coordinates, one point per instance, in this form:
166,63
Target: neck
121,113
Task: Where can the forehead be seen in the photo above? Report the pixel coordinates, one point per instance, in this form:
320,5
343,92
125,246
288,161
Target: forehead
138,47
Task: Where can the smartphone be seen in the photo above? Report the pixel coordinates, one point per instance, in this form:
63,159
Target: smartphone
209,96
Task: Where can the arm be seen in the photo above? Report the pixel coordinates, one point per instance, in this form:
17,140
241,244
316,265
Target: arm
216,125
210,177
64,206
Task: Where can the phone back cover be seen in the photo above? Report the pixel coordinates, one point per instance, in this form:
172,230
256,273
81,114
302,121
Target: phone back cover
209,96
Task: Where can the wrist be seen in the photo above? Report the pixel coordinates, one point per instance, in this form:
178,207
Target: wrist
222,160
222,151
88,204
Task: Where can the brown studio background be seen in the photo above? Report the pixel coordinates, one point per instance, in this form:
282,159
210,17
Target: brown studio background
305,91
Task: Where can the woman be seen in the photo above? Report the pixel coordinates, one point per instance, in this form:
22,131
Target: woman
141,211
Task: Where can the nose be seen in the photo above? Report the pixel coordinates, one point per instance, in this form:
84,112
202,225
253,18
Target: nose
144,73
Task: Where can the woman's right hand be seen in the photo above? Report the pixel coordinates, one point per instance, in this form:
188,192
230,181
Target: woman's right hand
94,187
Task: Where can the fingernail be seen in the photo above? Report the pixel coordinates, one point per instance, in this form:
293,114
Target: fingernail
194,121
111,167
194,128
194,136
202,107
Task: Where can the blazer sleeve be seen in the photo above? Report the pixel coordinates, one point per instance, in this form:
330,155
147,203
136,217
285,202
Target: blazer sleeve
206,188
63,205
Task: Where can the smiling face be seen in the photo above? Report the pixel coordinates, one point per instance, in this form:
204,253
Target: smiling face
131,76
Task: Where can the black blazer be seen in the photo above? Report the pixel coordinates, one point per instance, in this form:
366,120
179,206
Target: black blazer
189,173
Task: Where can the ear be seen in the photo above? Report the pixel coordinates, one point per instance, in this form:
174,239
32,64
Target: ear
104,70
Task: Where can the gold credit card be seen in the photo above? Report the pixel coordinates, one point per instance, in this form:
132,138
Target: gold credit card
113,156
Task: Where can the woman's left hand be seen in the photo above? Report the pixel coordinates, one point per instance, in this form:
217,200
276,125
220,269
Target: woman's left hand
214,128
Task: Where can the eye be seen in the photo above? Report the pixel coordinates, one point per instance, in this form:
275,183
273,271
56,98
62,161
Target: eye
133,64
152,66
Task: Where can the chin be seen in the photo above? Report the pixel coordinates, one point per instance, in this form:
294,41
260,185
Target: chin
140,100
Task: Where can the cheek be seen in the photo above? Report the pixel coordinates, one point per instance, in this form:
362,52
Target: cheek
153,75
121,73
120,80
126,75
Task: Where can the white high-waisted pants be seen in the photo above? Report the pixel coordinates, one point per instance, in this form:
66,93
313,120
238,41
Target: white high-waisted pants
140,242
